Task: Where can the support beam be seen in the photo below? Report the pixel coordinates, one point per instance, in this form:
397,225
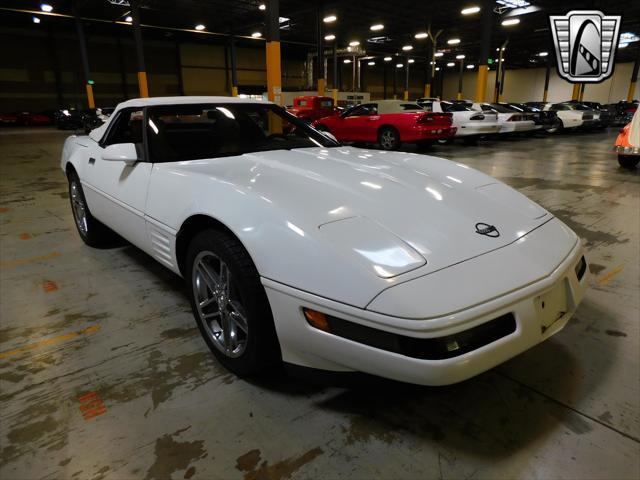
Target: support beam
137,36
84,56
274,72
335,73
546,80
485,46
406,80
581,96
575,95
234,65
179,68
430,88
460,79
503,71
384,80
320,72
634,77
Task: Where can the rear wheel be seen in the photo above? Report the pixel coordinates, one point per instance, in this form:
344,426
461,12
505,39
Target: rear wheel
230,305
555,127
445,141
628,161
389,138
92,232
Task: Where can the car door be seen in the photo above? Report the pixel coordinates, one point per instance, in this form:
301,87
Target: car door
116,191
356,123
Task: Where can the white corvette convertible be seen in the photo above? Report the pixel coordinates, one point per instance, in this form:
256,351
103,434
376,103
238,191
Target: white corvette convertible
297,249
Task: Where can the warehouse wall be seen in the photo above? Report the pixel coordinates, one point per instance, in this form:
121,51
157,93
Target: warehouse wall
528,85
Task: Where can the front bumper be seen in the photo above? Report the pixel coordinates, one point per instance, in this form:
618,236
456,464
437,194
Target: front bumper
307,346
629,150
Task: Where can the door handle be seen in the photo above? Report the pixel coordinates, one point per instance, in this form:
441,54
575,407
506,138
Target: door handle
92,160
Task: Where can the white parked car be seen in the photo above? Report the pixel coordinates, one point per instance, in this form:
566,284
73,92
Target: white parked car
569,115
470,124
511,120
300,250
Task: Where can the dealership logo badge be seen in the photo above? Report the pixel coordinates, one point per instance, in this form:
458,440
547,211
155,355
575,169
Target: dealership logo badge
486,229
586,43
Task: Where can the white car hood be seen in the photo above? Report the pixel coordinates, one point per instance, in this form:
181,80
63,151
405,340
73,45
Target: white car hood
430,204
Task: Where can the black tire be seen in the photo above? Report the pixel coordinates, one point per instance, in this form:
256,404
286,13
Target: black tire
556,127
628,161
245,296
389,138
91,231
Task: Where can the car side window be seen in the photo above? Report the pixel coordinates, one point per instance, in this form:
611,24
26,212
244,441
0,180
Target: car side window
558,107
127,129
428,106
359,111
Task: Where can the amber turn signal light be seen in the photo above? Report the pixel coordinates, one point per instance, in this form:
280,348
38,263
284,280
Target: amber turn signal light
316,319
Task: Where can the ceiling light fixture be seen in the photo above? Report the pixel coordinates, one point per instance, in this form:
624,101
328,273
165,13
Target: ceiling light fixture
460,57
200,27
354,43
421,35
128,19
510,21
621,45
470,66
36,20
387,59
371,64
453,41
437,69
411,60
329,37
543,54
406,48
346,60
399,65
45,7
438,54
256,34
470,10
262,7
376,27
329,19
451,64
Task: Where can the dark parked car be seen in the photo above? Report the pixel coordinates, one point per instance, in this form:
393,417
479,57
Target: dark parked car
622,112
606,117
68,119
94,117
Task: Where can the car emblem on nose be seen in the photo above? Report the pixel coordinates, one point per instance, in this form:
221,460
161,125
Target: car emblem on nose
487,230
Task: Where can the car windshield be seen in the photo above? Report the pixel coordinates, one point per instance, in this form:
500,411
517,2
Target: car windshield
498,108
195,131
455,107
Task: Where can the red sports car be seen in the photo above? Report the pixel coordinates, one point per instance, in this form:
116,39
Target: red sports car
33,119
310,108
389,123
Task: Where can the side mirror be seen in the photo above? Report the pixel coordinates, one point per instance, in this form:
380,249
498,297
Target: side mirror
121,152
330,136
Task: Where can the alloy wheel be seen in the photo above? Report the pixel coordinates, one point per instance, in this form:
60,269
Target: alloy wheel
221,313
79,208
387,139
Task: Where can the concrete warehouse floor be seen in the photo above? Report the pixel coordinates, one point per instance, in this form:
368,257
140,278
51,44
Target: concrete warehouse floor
104,375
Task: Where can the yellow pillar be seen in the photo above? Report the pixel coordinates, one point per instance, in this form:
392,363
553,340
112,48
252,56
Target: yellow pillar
427,90
335,96
142,84
575,95
90,100
234,91
459,97
544,95
274,82
481,83
406,95
321,86
632,91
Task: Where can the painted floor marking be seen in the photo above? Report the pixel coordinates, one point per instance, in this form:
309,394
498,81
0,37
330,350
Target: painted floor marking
49,286
49,341
25,261
91,405
608,276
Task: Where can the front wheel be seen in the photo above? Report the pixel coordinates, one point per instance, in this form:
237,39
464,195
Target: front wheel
389,138
555,127
628,161
230,305
92,232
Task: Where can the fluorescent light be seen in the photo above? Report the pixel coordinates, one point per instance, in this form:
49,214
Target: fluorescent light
450,64
45,7
543,54
399,65
387,59
371,64
129,19
438,54
510,21
283,19
329,37
256,34
471,66
376,27
621,45
37,20
460,57
200,27
470,10
354,43
411,60
628,37
346,60
437,69
421,35
453,41
406,48
329,19
262,7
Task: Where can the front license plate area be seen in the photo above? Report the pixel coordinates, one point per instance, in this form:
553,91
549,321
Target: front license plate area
552,305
